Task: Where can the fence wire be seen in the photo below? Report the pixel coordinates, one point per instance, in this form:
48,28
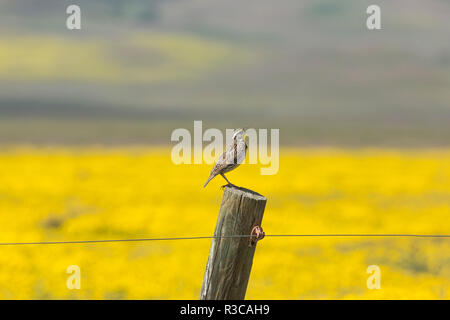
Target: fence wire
223,237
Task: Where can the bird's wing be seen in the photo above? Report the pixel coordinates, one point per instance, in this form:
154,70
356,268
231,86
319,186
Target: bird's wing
225,160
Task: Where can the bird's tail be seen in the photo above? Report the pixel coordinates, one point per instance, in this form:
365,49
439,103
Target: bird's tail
209,179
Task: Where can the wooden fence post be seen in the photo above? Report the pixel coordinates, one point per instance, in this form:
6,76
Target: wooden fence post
230,258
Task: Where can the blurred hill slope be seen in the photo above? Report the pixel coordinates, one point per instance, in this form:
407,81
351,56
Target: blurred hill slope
139,69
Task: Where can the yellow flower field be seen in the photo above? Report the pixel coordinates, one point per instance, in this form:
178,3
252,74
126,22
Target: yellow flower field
52,194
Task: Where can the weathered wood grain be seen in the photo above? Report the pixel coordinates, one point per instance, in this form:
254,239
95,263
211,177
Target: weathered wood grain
230,259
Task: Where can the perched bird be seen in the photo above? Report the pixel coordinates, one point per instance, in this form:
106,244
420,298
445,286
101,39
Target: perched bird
233,156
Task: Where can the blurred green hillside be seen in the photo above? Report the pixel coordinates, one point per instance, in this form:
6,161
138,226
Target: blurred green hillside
138,69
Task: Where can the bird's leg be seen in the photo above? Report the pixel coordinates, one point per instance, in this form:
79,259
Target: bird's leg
229,183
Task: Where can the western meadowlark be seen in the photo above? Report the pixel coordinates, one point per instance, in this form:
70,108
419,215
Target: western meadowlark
233,156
